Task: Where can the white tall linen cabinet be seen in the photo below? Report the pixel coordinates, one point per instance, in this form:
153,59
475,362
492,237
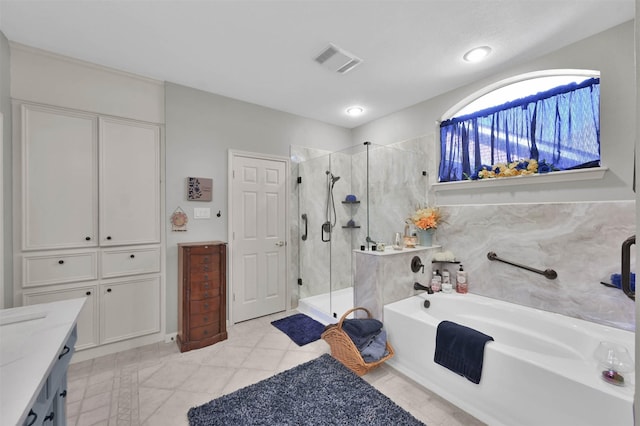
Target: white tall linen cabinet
87,209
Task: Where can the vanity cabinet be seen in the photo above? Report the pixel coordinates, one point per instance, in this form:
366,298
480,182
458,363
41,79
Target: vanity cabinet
201,294
87,208
37,345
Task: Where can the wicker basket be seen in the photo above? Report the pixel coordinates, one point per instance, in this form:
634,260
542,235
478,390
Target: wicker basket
344,350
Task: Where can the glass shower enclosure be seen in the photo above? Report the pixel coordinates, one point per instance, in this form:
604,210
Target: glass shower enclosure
345,200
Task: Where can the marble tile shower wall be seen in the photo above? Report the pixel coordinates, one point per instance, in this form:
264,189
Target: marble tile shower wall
581,241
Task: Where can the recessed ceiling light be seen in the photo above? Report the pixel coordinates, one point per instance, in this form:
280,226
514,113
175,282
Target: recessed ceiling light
355,111
477,54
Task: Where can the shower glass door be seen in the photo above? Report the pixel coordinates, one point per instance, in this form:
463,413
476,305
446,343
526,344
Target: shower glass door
387,183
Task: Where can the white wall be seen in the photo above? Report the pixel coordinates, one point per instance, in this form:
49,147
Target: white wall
611,52
201,128
6,289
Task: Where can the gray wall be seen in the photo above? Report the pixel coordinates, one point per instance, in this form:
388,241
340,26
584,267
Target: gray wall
612,53
200,130
5,109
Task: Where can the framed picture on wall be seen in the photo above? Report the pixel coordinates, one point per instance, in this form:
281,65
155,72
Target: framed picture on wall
199,189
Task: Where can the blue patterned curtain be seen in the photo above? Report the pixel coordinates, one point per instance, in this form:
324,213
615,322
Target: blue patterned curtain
559,127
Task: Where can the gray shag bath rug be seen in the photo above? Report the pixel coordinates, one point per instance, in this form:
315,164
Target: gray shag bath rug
318,392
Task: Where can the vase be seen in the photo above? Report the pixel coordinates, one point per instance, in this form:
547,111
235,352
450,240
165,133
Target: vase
425,237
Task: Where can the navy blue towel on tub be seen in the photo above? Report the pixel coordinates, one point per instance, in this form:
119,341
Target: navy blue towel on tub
460,349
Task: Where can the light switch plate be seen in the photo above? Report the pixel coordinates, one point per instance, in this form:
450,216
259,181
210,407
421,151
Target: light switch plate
201,213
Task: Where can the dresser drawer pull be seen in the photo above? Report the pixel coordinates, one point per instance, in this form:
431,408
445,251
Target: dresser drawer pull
205,268
206,332
35,417
206,285
61,262
206,319
65,351
206,306
206,294
206,276
132,256
206,260
87,238
50,416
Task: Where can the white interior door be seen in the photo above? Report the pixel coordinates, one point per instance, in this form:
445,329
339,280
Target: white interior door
258,236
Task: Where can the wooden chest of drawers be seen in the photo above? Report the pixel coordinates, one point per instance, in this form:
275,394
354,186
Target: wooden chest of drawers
201,294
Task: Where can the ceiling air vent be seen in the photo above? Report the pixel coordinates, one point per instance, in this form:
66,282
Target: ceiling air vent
337,60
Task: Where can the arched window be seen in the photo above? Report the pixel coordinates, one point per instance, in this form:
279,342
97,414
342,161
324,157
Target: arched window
535,123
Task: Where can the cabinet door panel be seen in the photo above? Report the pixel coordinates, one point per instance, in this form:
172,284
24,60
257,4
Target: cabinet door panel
64,267
130,261
87,320
130,309
59,178
129,183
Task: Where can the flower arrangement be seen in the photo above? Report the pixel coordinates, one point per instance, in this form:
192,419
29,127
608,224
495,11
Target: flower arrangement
426,218
515,168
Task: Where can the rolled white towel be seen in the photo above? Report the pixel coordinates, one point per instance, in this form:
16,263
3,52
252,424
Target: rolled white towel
444,256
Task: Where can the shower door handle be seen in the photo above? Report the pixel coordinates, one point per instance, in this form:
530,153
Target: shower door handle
306,228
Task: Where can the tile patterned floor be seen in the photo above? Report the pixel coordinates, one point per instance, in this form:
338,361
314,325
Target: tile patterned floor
156,384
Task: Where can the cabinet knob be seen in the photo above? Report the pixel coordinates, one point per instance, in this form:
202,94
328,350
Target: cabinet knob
60,262
88,293
108,290
132,256
87,238
109,237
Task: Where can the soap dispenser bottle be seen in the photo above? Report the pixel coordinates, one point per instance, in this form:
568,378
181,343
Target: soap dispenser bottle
435,282
462,285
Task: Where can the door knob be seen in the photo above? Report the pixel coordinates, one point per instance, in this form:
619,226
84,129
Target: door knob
280,243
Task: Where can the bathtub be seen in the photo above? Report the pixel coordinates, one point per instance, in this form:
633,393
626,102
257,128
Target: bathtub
540,369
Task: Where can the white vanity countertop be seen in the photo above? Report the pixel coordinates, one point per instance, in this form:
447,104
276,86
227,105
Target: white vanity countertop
31,338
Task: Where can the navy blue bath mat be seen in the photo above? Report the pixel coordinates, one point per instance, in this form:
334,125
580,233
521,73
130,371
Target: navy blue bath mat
317,393
301,328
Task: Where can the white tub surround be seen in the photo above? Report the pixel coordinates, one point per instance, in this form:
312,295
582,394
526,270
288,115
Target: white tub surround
37,344
580,241
540,370
386,277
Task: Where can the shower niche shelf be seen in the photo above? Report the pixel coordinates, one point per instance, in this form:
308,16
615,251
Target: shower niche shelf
351,224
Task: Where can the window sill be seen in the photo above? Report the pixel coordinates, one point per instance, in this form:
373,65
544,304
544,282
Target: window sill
553,177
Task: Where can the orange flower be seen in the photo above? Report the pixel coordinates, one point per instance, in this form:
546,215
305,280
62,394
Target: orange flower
427,218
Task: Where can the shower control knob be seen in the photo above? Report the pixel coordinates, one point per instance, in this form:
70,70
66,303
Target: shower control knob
280,243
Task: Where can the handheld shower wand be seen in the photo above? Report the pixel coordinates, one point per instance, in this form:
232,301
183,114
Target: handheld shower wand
330,216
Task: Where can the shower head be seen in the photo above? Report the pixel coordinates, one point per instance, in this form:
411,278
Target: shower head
334,179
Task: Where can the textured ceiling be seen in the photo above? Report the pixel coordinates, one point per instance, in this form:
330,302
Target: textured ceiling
262,51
